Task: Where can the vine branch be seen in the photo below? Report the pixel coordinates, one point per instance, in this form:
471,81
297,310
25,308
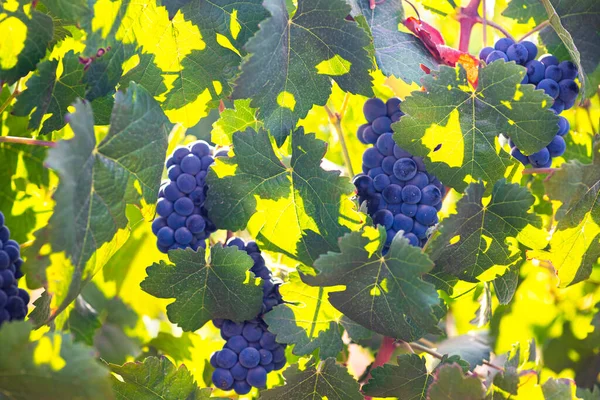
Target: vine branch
27,141
14,94
335,119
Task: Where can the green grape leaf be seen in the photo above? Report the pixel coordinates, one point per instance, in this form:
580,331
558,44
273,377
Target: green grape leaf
294,58
524,10
200,69
51,367
25,46
145,73
324,380
355,331
177,347
232,120
155,379
70,11
205,289
559,389
300,211
508,379
83,322
506,284
41,312
306,320
587,394
472,348
575,243
574,34
408,380
173,6
479,237
397,53
450,383
384,293
97,181
48,93
455,127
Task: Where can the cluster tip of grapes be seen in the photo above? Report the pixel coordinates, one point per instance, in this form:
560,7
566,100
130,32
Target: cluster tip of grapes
13,300
182,220
250,351
399,192
556,79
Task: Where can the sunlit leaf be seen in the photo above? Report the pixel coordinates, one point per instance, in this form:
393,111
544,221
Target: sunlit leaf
449,383
506,284
408,380
205,289
384,293
232,120
323,380
455,127
479,237
281,75
563,389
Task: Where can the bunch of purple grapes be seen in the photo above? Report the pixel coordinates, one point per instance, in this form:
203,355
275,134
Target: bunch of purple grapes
251,351
556,79
13,300
399,193
182,219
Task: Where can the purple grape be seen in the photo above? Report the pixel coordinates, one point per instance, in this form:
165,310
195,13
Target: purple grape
517,53
495,56
550,87
411,194
392,194
532,50
385,144
568,69
384,218
554,73
373,109
382,125
503,44
568,90
405,169
372,158
549,60
563,126
535,71
485,52
540,158
557,146
222,378
392,105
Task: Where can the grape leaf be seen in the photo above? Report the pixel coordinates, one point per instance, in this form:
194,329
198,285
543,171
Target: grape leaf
472,348
575,243
294,58
506,284
408,380
559,389
145,73
41,312
155,378
508,378
325,380
205,289
465,122
587,394
83,322
300,211
397,53
232,120
383,293
449,383
524,10
98,181
51,367
178,348
479,237
70,11
48,93
576,25
25,46
307,320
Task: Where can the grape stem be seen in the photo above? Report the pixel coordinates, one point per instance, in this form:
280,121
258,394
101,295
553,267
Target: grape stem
14,94
336,120
469,16
534,30
27,141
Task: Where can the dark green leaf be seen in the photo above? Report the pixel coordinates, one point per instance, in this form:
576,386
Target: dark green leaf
508,379
586,394
576,25
397,53
205,289
325,380
479,237
506,284
73,11
355,331
408,380
41,312
177,347
524,10
52,367
114,345
50,94
472,348
83,322
295,57
34,31
238,119
383,293
304,208
451,384
145,73
465,122
156,379
559,389
307,320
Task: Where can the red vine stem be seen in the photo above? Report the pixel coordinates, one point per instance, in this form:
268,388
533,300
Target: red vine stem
530,171
466,17
386,349
27,141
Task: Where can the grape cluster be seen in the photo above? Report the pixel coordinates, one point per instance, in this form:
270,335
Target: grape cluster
182,220
251,351
398,191
556,79
13,300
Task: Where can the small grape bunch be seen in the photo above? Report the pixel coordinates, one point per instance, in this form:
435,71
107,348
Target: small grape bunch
399,192
182,219
380,117
250,351
13,300
556,79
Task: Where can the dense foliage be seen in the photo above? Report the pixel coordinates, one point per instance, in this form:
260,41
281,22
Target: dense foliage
291,199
